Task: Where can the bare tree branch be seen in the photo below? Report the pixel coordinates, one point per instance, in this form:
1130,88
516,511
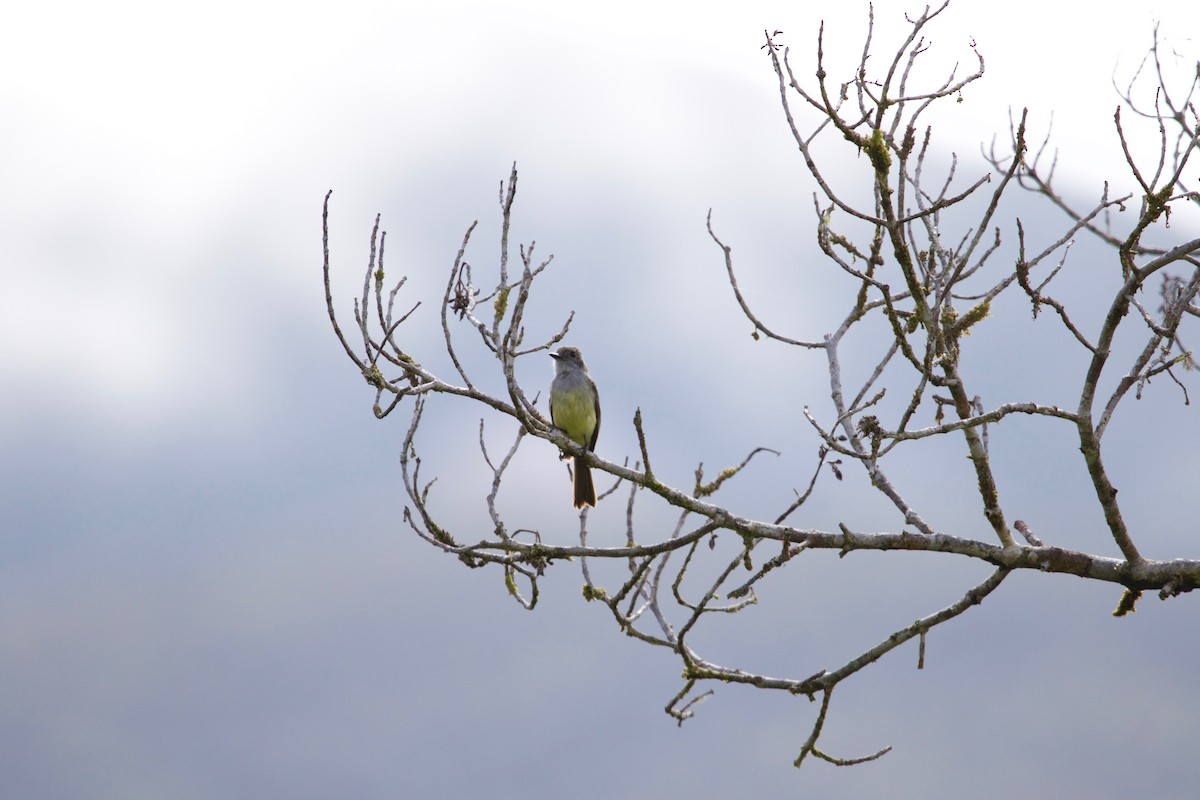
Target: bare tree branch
926,255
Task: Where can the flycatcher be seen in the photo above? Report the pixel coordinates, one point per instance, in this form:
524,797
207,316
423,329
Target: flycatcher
575,410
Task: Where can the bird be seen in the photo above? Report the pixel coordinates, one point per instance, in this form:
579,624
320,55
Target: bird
575,410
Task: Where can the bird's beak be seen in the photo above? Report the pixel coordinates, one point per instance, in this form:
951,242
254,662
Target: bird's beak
555,356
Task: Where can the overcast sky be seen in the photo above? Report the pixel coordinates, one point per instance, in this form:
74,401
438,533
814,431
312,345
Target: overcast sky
206,589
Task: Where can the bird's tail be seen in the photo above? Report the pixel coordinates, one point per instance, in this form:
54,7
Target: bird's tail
585,490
